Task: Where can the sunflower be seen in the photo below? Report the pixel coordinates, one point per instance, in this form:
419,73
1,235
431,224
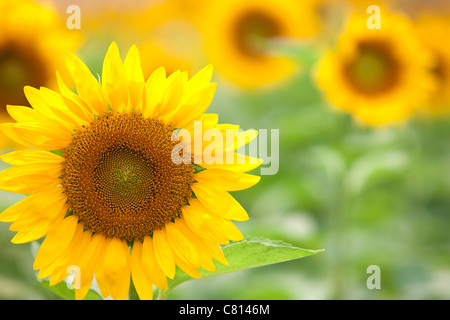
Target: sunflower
102,185
237,35
432,29
373,74
33,41
364,4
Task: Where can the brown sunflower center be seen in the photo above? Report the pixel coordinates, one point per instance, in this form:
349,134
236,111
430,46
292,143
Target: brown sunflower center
440,70
119,177
373,70
19,66
251,31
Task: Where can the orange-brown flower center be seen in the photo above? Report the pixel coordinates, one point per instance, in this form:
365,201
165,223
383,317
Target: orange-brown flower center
373,69
119,177
252,29
19,66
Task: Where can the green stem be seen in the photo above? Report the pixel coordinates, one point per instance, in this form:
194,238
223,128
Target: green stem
161,294
133,295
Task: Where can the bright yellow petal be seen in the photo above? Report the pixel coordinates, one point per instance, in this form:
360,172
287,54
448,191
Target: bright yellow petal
154,92
87,85
74,103
74,258
188,269
89,263
32,203
201,79
36,135
238,163
114,80
114,271
29,178
173,96
163,252
194,106
220,202
203,223
21,113
44,112
56,241
39,212
240,138
58,269
59,107
21,157
135,78
151,264
216,252
227,180
181,244
141,281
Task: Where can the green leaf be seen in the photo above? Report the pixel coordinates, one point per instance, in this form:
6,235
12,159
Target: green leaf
248,254
63,291
58,152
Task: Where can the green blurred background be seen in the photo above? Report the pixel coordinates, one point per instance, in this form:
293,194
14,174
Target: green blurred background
368,196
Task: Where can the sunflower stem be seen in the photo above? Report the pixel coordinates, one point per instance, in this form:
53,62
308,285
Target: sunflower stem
161,294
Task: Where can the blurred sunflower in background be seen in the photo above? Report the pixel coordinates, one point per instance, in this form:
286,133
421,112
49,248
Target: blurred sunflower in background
432,29
237,36
378,75
163,33
162,56
174,44
33,43
112,183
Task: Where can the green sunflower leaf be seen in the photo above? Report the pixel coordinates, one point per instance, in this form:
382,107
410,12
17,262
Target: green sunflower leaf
246,254
64,292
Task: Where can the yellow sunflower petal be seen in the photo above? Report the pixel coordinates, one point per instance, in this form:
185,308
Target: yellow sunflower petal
227,180
216,252
56,241
114,80
74,103
31,202
21,113
198,244
201,79
163,252
193,106
29,178
223,203
114,271
22,157
203,223
135,78
89,263
141,281
176,84
61,109
234,161
43,209
44,113
70,261
36,135
188,269
58,269
87,85
151,264
154,92
181,244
